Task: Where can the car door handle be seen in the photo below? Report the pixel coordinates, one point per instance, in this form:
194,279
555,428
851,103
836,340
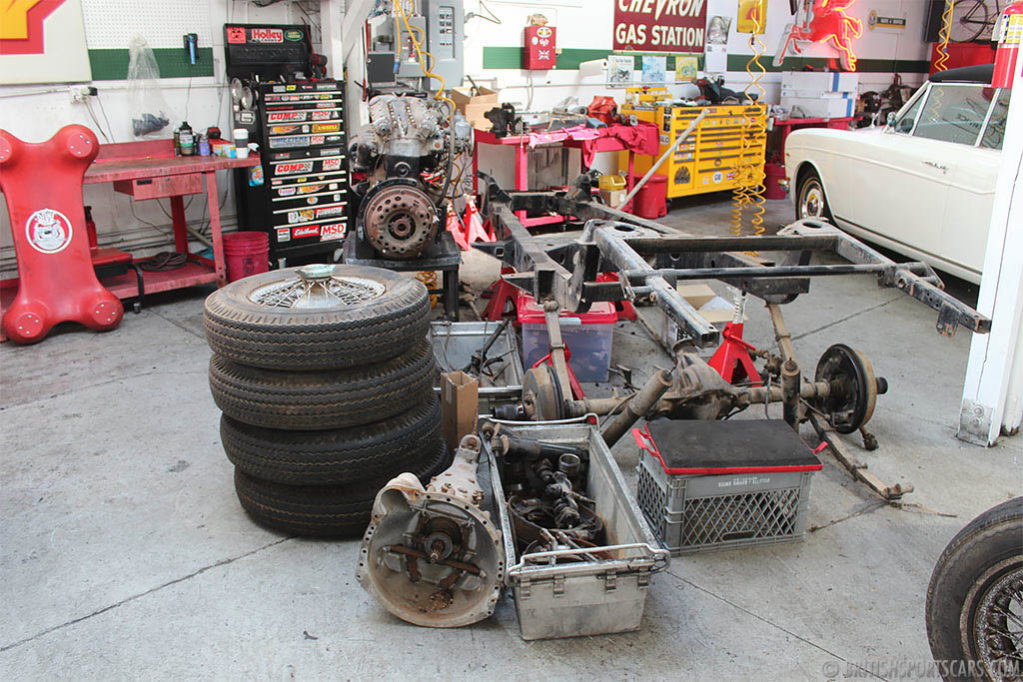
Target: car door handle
935,164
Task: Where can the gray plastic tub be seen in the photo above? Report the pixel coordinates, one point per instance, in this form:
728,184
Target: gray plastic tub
591,597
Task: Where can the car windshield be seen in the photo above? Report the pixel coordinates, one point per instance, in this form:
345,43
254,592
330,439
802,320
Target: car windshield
954,112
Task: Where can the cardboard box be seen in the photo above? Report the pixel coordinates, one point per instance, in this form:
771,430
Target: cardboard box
459,397
474,106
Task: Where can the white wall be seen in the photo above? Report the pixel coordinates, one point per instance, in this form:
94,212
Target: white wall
35,113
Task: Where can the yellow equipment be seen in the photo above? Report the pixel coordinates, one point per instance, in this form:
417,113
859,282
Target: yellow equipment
707,162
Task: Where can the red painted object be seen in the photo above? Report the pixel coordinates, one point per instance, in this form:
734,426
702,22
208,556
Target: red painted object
732,360
501,293
651,201
827,21
541,48
43,187
963,54
1010,36
246,253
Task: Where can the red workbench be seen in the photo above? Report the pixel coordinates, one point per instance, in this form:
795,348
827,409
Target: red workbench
150,170
640,139
786,127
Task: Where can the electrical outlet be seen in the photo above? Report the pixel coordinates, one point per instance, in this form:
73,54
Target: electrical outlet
80,93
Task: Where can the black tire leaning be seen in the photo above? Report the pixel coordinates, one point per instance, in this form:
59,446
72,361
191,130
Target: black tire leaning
341,511
253,334
323,400
989,548
335,456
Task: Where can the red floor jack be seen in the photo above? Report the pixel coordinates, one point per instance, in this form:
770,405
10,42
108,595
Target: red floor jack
732,359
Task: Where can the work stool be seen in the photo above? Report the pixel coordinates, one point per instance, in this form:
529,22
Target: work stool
111,262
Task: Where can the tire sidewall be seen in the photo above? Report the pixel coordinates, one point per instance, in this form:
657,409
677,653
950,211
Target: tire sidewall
812,180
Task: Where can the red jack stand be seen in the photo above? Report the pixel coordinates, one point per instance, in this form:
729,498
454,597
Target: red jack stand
469,228
501,293
625,309
732,359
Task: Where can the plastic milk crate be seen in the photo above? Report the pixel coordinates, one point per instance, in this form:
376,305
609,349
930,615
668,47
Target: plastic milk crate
719,484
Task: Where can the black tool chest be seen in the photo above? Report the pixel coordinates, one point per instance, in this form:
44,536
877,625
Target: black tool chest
299,194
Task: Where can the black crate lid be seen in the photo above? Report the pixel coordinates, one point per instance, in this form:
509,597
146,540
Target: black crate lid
747,446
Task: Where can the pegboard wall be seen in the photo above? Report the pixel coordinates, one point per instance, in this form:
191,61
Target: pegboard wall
110,24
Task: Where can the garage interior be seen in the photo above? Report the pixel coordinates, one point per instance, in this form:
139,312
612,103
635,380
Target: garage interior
690,379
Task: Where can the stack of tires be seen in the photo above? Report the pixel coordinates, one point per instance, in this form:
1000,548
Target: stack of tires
325,378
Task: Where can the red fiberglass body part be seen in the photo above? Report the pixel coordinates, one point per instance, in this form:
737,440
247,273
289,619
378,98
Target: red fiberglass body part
43,186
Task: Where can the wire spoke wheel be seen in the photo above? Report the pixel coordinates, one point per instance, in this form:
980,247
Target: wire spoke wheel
971,21
316,287
997,627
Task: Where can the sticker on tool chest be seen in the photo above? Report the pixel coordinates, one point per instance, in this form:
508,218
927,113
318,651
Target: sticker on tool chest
332,231
329,211
331,164
306,231
326,127
283,234
303,216
285,117
48,231
293,168
322,115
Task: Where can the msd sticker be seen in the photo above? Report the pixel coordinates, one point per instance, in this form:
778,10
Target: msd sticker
48,231
293,168
322,115
335,231
308,231
283,234
331,164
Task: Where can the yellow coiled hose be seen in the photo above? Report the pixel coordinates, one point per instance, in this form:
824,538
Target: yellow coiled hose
749,193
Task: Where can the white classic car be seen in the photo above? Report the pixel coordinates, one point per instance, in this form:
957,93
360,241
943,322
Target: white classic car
923,185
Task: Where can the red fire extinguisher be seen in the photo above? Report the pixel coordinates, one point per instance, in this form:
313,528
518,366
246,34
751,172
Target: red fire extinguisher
1010,35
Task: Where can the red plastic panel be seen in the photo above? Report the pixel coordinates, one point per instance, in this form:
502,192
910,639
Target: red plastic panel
43,187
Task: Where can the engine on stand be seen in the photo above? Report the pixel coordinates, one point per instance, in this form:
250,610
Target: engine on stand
407,154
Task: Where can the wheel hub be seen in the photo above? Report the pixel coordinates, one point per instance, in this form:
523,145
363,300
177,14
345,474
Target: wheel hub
853,388
317,288
998,627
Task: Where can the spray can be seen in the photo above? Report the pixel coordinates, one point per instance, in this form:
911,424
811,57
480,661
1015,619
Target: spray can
187,139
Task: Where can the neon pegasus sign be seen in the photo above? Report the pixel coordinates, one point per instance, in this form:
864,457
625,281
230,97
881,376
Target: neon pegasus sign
822,21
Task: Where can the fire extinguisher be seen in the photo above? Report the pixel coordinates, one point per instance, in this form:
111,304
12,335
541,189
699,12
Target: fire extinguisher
1010,35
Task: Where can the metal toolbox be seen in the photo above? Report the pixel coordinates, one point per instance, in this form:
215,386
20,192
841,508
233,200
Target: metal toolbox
722,484
589,597
454,344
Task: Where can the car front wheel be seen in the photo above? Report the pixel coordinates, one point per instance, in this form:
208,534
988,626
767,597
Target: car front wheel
810,199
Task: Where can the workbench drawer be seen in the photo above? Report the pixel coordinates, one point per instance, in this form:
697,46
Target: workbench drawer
161,187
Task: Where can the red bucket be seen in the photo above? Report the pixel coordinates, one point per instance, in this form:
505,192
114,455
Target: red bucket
651,201
246,253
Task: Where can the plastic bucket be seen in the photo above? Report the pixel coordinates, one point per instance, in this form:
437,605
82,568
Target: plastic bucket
246,253
651,200
773,172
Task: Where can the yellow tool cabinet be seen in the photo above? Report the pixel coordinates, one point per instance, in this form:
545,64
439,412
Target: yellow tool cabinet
724,152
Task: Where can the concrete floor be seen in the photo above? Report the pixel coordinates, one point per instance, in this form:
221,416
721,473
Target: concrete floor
125,554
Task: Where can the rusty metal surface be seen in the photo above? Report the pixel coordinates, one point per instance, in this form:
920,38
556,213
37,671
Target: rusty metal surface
400,220
432,556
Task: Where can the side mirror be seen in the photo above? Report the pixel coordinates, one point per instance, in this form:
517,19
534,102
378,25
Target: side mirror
891,119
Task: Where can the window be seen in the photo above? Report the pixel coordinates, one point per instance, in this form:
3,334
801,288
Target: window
994,133
954,113
905,124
